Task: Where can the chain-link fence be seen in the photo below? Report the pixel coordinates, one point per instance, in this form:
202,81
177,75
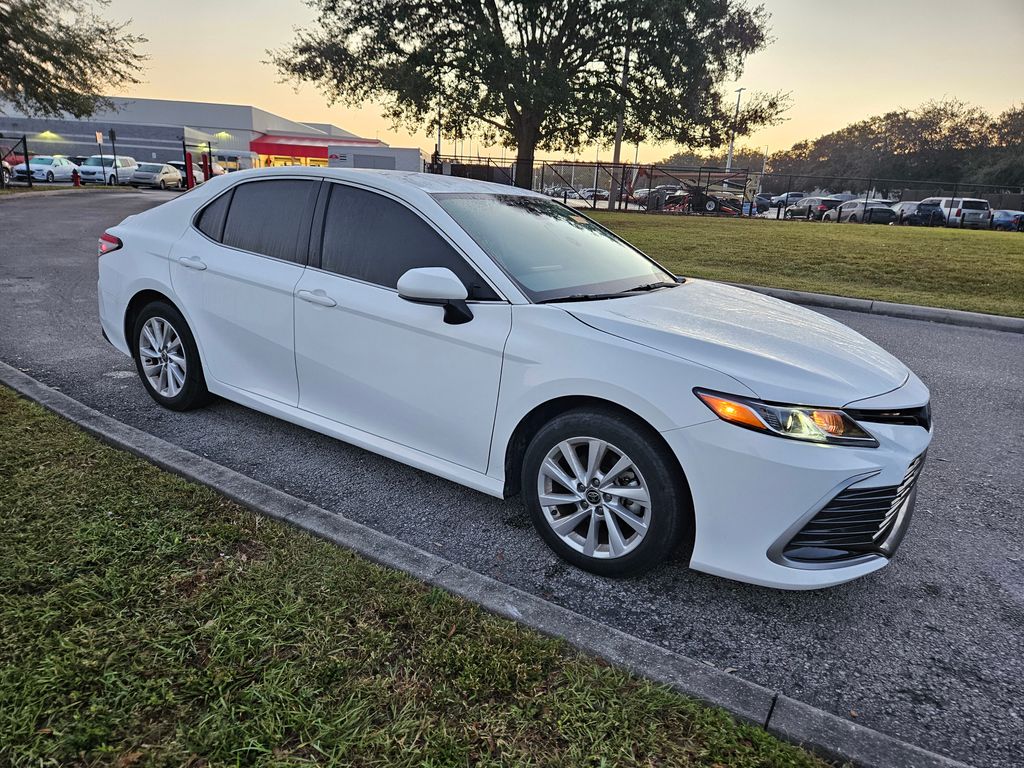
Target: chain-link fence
705,191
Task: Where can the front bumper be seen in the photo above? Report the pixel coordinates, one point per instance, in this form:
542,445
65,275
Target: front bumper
753,493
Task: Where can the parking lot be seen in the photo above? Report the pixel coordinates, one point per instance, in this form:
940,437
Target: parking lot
930,649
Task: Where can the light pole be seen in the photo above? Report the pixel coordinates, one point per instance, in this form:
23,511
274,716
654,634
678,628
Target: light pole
732,133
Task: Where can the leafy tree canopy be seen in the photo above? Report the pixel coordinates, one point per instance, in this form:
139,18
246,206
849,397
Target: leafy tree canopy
939,141
540,74
58,56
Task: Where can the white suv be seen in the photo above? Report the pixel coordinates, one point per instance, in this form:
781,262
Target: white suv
964,211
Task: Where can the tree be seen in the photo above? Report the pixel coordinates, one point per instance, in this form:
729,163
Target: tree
57,56
539,74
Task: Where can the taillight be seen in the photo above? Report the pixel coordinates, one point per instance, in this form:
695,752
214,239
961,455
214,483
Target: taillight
108,243
822,207
958,213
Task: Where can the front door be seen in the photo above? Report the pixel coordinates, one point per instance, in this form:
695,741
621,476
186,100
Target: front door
374,361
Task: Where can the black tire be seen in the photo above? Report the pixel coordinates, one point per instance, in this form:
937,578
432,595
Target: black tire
194,393
810,214
671,511
49,177
852,220
162,184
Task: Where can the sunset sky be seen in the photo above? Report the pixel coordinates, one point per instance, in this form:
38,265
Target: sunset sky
840,61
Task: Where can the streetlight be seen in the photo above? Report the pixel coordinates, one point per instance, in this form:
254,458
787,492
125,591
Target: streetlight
732,134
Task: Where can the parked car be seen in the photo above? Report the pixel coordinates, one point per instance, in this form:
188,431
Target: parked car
919,214
216,169
157,175
45,168
965,211
107,169
842,197
78,159
492,336
861,211
593,193
1011,221
639,196
786,199
197,173
811,208
762,202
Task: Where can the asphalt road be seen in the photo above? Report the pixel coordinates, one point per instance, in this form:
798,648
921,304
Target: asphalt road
930,649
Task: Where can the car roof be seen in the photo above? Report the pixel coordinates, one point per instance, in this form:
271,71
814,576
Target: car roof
391,181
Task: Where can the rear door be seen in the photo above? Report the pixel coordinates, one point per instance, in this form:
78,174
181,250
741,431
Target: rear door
235,271
372,360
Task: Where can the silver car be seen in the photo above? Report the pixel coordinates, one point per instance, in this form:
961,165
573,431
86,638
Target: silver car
157,175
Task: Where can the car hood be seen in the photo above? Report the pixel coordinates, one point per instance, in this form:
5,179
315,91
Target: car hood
781,352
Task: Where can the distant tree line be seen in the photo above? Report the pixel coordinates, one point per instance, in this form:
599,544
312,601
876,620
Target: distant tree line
943,141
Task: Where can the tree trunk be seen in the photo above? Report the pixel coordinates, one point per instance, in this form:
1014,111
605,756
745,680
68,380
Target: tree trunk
526,147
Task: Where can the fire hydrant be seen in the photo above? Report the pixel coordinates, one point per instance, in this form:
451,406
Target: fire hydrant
76,178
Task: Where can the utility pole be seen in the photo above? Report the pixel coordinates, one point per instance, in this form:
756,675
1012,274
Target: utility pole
620,123
732,134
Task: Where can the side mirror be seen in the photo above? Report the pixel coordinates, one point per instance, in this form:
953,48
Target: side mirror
440,286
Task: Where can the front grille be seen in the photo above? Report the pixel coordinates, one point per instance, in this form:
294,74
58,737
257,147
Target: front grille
918,417
857,522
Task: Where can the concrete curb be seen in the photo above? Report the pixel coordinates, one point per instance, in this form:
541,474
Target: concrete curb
908,311
833,737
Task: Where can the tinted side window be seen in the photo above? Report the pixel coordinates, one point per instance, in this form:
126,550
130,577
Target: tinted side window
267,216
211,220
373,238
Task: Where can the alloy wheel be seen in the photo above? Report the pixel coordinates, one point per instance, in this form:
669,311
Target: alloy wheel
594,498
163,357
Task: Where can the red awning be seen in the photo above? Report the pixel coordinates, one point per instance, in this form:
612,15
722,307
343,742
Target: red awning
304,146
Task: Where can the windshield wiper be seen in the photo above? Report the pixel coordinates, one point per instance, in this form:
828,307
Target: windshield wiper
582,297
651,287
616,295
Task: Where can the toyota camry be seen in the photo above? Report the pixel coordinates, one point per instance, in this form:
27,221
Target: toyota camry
497,338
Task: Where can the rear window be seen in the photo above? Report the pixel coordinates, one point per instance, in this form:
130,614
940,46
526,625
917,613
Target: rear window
975,205
266,217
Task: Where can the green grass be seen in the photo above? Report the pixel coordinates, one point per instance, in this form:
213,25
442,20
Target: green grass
147,620
981,271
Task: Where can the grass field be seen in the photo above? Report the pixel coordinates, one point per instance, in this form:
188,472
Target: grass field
982,271
145,620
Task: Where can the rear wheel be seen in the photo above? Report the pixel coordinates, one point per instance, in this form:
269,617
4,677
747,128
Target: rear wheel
852,220
167,358
604,494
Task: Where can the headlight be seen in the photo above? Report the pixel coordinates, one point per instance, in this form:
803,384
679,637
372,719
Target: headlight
797,422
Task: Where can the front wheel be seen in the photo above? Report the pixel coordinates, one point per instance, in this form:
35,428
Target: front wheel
604,494
49,177
167,358
163,184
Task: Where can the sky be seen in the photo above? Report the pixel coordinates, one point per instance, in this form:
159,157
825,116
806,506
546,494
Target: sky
840,62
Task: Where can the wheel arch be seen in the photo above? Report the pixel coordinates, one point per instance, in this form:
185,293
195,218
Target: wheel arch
537,417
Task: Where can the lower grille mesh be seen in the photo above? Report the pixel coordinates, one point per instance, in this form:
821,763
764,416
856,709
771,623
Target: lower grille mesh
856,522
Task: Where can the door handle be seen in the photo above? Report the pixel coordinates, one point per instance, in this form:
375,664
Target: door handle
192,262
317,297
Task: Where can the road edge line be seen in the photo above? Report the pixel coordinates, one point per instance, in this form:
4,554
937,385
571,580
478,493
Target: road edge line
828,735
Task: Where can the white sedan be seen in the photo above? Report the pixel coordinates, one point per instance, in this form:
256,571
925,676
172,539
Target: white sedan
45,168
499,339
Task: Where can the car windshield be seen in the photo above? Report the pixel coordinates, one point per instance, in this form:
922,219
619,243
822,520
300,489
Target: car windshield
551,251
150,167
41,161
96,161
